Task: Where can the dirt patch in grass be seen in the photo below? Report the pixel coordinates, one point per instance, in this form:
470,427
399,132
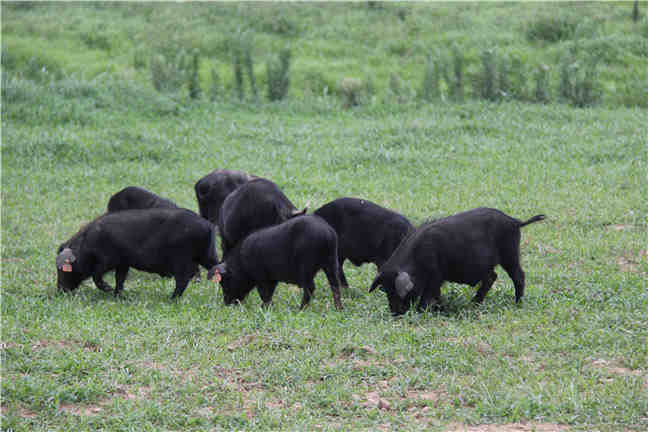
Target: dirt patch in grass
633,264
620,227
66,344
125,392
508,427
241,342
415,401
615,368
83,410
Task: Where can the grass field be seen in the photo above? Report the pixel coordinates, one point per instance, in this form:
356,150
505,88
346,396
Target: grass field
572,356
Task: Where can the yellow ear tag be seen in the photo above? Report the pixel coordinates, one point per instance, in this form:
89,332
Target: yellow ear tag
216,278
67,268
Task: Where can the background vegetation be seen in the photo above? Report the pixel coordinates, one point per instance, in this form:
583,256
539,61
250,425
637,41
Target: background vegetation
548,116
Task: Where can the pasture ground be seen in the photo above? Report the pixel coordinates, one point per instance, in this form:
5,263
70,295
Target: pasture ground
572,356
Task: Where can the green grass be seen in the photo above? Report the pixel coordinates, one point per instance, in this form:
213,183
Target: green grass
575,352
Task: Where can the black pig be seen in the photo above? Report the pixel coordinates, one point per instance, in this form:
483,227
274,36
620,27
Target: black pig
169,242
212,189
367,232
463,248
133,197
292,252
257,204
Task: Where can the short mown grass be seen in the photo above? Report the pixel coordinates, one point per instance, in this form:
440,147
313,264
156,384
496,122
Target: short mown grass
572,355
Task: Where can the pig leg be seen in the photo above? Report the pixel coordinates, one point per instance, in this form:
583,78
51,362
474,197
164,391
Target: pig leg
486,285
511,263
182,280
343,280
309,288
266,291
120,277
334,274
100,283
431,296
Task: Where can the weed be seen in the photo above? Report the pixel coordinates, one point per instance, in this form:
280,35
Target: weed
278,71
542,93
194,82
216,86
457,85
431,86
488,80
551,28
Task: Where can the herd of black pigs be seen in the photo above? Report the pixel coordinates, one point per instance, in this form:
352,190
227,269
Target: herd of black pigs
265,240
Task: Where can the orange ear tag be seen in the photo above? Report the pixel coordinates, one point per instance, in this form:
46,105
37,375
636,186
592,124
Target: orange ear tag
67,268
216,278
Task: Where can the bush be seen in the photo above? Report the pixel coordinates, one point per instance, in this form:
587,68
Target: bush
399,91
431,87
551,29
168,75
487,81
354,91
542,93
194,81
278,71
578,81
457,85
216,86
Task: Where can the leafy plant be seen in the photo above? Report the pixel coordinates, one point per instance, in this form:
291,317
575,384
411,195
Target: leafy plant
278,71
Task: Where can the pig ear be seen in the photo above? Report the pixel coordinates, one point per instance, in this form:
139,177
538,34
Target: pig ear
300,212
66,256
377,282
403,284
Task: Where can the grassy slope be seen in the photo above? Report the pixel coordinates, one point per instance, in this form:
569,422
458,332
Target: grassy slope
574,352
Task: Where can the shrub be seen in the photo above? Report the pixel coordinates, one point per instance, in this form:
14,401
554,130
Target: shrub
578,81
168,75
517,80
487,81
635,11
238,74
457,86
215,89
399,91
431,88
551,29
351,90
278,71
542,93
194,81
249,68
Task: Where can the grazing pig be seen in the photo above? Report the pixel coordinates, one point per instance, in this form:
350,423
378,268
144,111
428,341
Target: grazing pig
133,197
367,232
463,248
292,252
212,189
169,242
257,204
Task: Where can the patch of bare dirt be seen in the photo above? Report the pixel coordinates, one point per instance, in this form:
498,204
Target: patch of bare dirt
82,409
547,249
620,227
24,413
241,342
66,344
508,427
633,264
125,392
6,345
417,401
613,367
